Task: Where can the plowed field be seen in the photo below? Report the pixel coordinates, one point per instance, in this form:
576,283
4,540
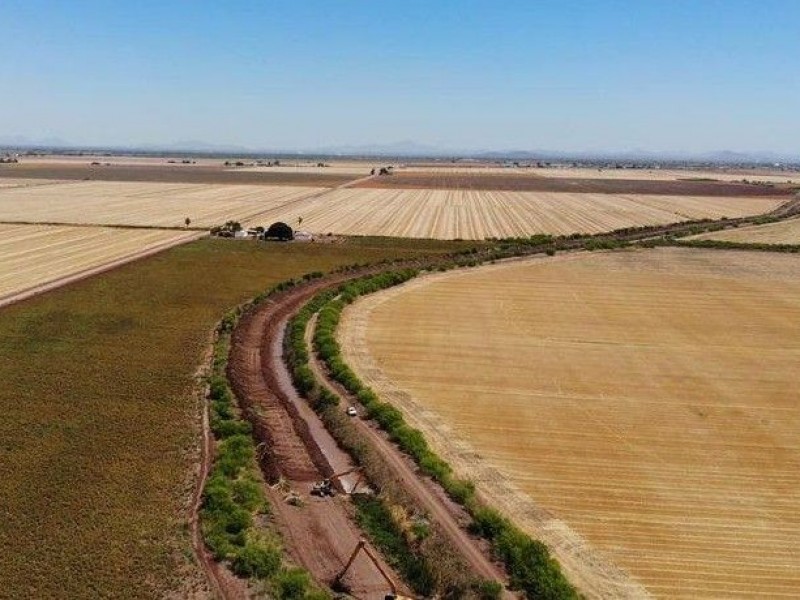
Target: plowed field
148,204
32,255
634,409
449,214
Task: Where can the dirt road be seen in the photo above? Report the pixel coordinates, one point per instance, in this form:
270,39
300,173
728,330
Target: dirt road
296,450
430,496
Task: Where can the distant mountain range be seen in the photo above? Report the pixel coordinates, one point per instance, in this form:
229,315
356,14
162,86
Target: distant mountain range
411,149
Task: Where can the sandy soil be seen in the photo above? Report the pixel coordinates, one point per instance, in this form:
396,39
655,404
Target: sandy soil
783,232
636,410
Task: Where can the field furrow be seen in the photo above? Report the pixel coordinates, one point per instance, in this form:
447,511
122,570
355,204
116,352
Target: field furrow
642,402
141,203
34,255
471,214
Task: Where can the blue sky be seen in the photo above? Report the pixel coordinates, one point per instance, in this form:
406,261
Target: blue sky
591,75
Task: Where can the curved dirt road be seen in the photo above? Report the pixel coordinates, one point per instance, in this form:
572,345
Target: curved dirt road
430,496
319,534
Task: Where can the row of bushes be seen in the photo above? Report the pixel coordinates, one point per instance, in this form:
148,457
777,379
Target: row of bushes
528,561
419,551
233,497
723,245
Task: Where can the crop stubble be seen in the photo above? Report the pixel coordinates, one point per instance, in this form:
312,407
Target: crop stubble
417,213
466,214
32,255
144,204
646,399
782,232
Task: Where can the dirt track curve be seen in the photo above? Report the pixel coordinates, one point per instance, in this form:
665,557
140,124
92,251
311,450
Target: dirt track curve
449,515
296,450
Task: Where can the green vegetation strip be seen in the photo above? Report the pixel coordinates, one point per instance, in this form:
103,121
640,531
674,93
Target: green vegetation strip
233,497
418,550
724,245
99,437
528,562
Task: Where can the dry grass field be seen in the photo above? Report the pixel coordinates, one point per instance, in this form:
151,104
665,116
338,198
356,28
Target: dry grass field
782,232
637,409
450,214
34,255
143,203
21,183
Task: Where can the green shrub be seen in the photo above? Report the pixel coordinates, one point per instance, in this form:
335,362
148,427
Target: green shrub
257,559
291,584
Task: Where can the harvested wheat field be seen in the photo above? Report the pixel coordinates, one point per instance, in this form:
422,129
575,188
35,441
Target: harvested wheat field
782,232
32,256
143,203
450,214
636,410
22,183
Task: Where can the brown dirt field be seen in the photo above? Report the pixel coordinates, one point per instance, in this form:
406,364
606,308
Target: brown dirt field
168,174
633,409
664,174
528,183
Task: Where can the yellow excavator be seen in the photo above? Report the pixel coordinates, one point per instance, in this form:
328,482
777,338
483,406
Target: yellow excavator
338,584
326,487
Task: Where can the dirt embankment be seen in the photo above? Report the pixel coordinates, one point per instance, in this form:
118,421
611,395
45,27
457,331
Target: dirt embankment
528,183
319,534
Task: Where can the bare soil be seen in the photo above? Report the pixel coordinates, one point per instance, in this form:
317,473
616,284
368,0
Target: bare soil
319,534
528,183
168,174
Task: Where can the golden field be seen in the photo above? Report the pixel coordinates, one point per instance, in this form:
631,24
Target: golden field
782,232
466,214
415,213
636,410
143,203
35,255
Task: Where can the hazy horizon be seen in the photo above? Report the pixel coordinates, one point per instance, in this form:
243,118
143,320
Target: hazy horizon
583,77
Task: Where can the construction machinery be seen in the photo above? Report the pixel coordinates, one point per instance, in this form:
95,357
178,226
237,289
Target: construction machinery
327,487
338,583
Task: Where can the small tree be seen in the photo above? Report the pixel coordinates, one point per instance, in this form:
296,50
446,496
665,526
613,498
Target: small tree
187,221
280,231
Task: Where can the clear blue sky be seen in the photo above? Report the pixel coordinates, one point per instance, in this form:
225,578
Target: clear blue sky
583,75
